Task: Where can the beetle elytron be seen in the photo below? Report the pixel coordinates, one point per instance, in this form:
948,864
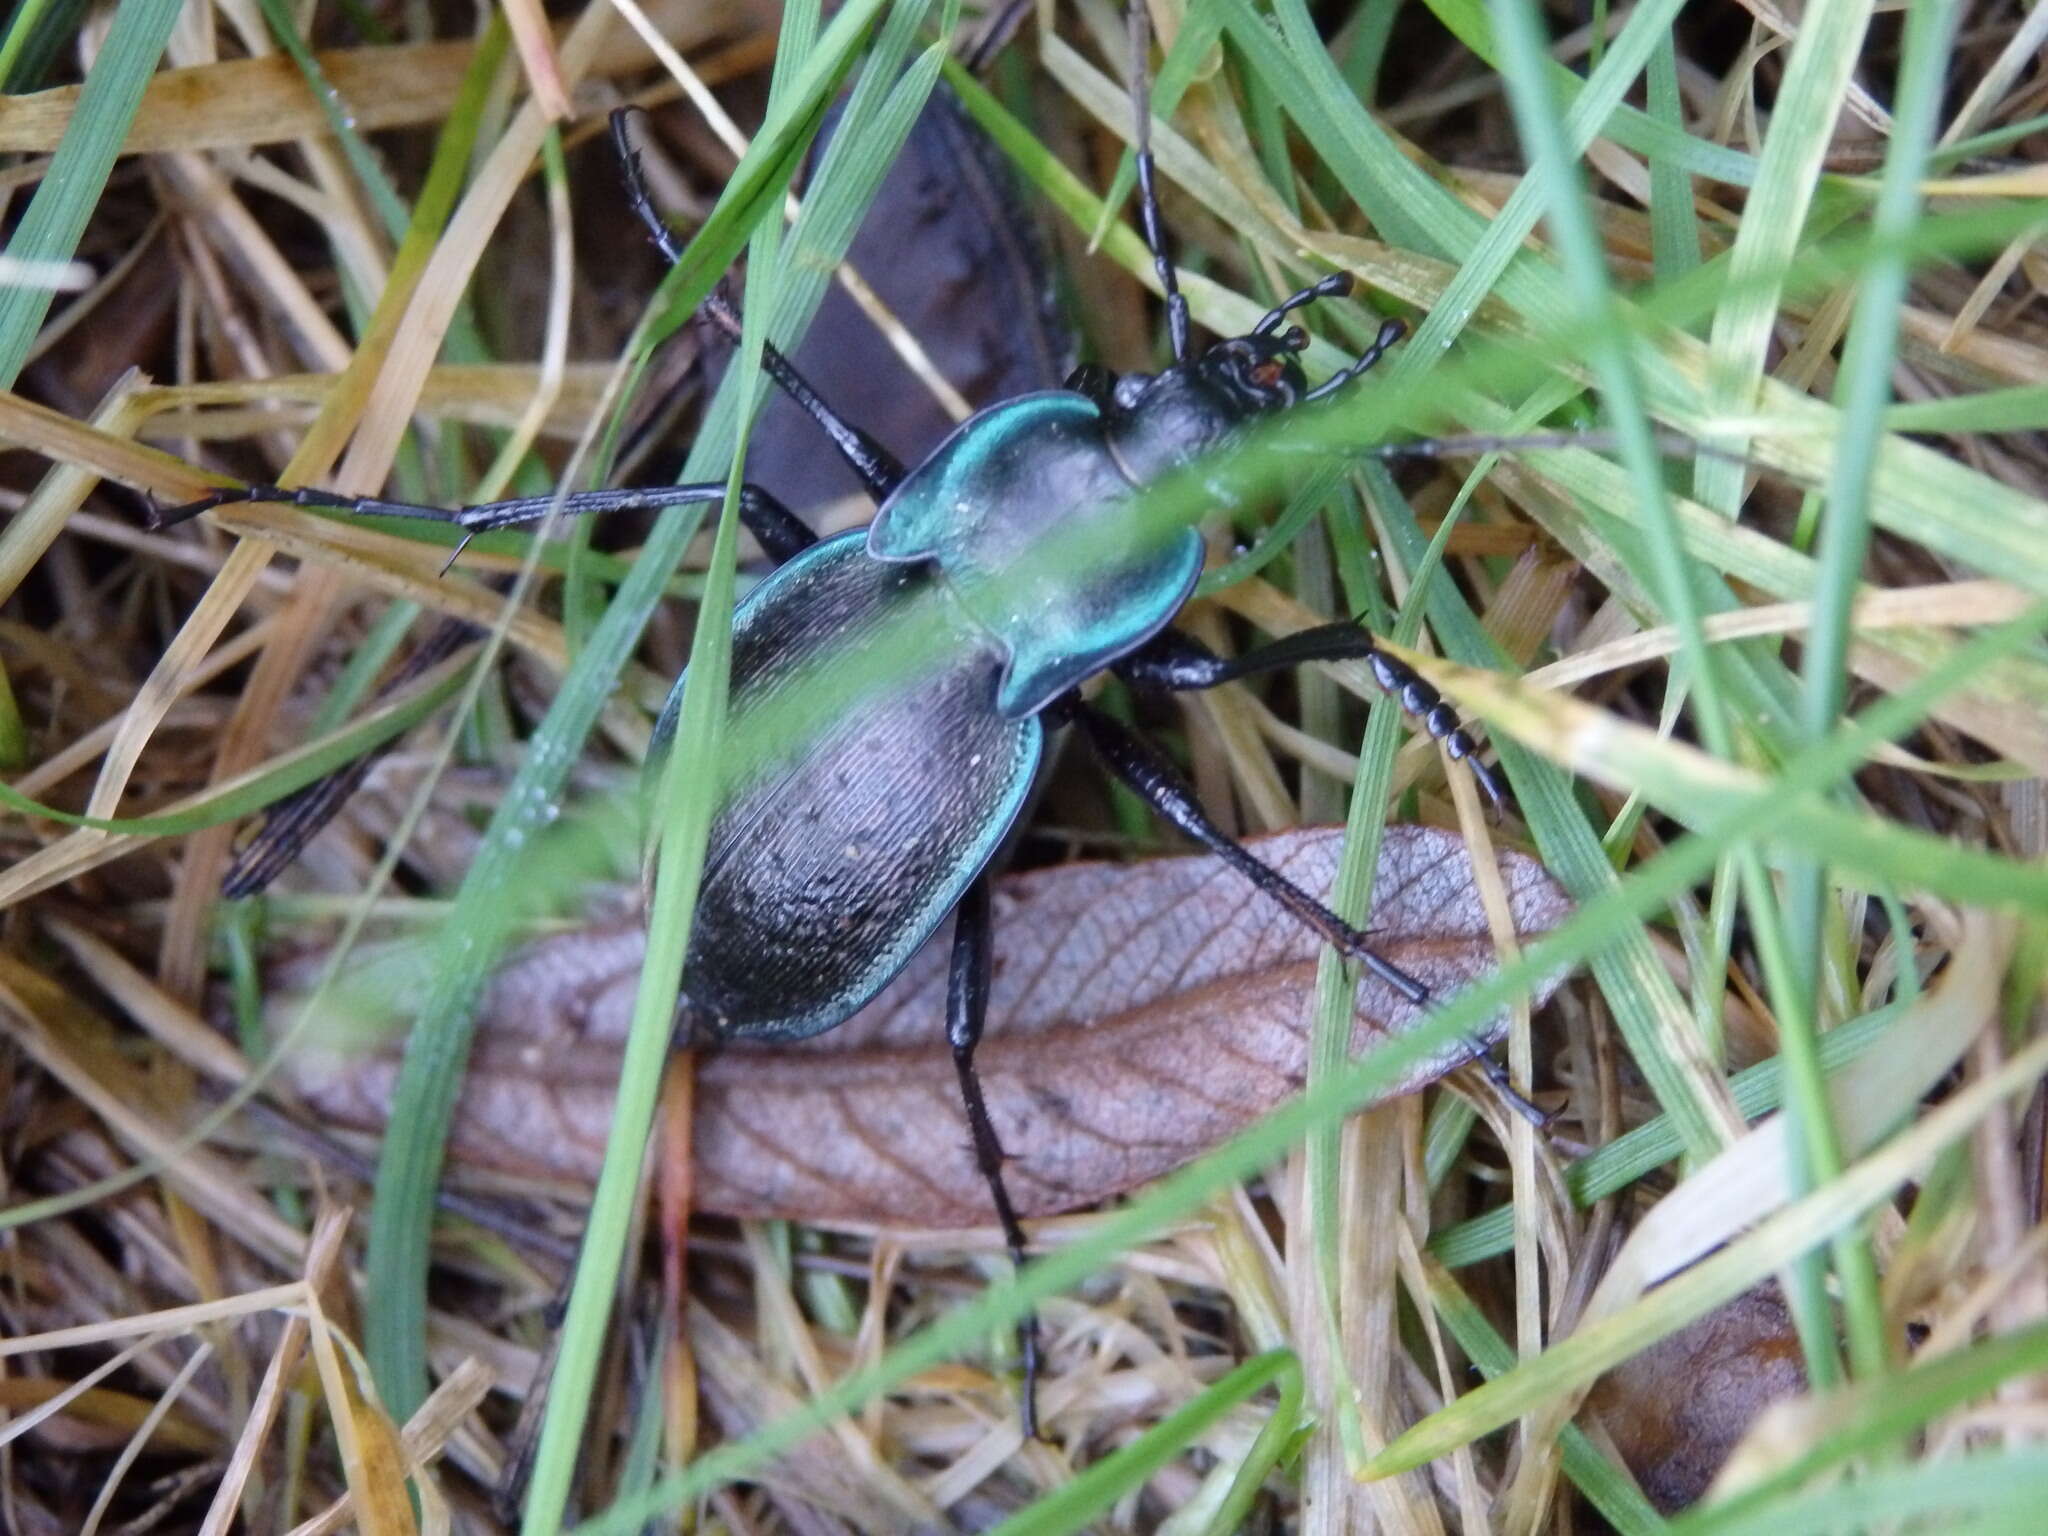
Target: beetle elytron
837,853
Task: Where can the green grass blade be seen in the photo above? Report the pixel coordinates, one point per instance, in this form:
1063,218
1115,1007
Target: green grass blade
1986,1493
480,922
245,794
1071,1506
77,172
1756,1091
1823,53
1610,1489
1572,1363
1863,390
1629,127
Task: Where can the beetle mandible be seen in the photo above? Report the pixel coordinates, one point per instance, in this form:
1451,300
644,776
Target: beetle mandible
836,855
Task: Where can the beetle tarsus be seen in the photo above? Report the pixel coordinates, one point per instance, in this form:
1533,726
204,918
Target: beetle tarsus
1422,701
967,984
234,495
1513,1097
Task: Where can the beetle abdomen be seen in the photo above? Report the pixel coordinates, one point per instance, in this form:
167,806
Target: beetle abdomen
868,783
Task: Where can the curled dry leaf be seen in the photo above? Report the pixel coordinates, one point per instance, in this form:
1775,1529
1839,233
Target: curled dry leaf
1141,1013
1676,1410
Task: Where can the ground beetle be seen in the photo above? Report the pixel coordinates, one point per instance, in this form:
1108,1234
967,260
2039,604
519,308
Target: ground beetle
832,860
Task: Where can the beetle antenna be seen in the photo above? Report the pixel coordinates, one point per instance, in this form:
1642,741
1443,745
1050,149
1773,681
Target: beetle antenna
1390,332
1335,286
1148,194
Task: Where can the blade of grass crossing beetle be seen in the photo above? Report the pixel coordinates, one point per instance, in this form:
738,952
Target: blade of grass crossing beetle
687,801
682,817
77,172
877,118
478,925
763,174
884,103
1612,913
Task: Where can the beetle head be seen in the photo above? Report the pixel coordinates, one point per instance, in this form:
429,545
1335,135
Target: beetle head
1168,418
1256,373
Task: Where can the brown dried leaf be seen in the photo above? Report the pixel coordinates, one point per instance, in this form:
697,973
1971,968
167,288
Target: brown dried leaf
1141,1013
1676,1410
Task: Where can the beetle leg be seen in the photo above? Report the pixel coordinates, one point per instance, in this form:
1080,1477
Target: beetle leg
1156,781
289,824
780,531
966,1013
1171,660
879,469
